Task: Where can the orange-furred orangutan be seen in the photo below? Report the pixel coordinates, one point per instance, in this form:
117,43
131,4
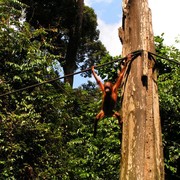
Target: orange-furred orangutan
109,97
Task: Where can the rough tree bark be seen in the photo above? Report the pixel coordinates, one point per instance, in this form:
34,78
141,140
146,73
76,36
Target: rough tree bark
142,156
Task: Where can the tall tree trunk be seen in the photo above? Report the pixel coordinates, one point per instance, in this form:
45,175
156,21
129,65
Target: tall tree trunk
74,36
142,156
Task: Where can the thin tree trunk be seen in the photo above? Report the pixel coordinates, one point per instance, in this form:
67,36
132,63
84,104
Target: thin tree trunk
142,156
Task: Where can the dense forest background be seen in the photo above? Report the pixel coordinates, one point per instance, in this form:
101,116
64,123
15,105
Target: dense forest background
46,132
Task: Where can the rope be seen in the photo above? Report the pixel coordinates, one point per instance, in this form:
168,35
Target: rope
134,55
68,75
172,60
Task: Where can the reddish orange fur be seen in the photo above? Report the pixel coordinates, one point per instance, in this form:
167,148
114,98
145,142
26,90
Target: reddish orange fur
109,97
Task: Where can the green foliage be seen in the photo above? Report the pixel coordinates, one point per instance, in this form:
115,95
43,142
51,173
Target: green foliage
89,157
110,71
30,143
169,83
46,131
59,18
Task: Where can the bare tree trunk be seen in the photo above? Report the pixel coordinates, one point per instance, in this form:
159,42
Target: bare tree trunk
74,36
142,156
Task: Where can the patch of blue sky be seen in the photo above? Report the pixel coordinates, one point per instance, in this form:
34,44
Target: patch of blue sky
108,11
